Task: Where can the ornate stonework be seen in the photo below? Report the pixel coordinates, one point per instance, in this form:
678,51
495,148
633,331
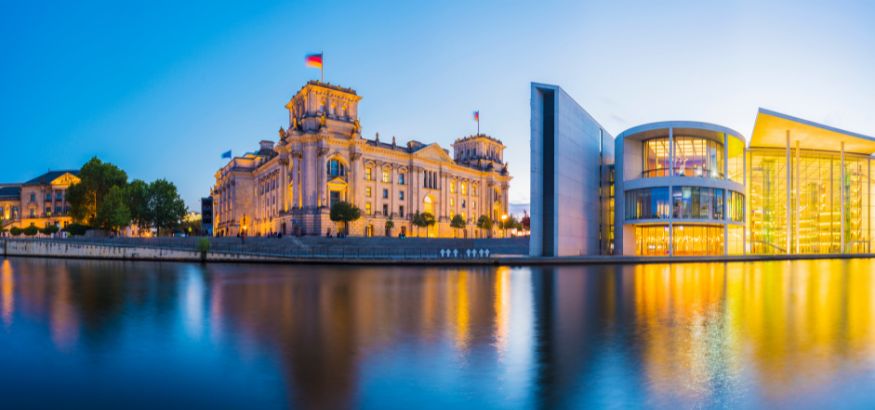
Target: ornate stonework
289,188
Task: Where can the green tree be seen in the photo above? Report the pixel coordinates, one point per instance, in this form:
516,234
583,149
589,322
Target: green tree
423,220
458,222
203,246
509,223
526,222
113,212
138,204
75,229
15,231
166,207
96,179
345,212
484,223
389,225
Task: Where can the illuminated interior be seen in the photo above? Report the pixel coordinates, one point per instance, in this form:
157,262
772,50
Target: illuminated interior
686,240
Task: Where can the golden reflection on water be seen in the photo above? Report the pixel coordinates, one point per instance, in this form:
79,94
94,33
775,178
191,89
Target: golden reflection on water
7,292
681,333
791,325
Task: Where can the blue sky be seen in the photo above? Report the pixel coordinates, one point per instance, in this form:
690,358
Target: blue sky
161,88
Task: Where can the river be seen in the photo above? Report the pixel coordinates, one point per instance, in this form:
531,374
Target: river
115,334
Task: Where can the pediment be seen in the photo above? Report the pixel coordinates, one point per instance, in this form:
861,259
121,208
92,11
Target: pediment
66,179
433,152
337,181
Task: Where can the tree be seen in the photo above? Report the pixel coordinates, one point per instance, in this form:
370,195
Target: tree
15,231
113,212
138,203
96,178
49,229
166,208
526,222
75,229
30,230
389,225
345,212
484,223
423,220
458,222
509,223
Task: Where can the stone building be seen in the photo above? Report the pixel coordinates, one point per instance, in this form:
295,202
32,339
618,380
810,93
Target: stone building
40,201
322,158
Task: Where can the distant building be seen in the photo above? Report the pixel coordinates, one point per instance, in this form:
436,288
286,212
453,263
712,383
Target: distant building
207,215
289,187
40,201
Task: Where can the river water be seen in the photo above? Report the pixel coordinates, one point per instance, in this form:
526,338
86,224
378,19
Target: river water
112,334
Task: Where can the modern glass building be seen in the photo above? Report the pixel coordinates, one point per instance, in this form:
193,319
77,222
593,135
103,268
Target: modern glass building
683,188
809,188
679,190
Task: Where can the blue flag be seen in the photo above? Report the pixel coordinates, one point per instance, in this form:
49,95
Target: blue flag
226,154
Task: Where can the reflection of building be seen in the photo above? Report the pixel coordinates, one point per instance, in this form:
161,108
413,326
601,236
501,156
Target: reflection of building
680,191
40,202
323,158
691,188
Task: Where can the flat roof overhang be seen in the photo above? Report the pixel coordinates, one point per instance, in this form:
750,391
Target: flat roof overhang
770,130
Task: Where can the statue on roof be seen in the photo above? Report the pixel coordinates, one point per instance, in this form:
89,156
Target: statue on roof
282,132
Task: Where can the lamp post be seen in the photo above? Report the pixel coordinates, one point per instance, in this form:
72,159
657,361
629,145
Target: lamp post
504,224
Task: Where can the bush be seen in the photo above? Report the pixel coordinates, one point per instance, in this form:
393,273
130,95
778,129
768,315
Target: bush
203,246
31,230
49,229
15,231
75,229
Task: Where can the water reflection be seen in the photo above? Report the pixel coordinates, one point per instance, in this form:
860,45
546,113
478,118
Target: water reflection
692,335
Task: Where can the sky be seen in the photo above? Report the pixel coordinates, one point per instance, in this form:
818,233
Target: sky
162,88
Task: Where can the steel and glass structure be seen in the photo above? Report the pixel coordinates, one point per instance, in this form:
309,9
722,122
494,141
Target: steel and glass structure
680,190
809,187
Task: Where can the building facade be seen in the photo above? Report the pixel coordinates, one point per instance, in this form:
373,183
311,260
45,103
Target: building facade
680,189
288,187
572,157
683,188
40,202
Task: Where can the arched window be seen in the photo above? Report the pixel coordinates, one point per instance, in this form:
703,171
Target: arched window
336,169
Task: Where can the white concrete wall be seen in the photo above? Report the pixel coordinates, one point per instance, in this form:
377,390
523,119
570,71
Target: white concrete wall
576,161
79,250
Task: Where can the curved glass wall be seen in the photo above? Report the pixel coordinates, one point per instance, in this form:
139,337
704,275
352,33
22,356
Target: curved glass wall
651,203
697,203
698,157
684,203
657,160
686,240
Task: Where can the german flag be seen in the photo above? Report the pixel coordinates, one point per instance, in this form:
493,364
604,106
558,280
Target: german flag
314,60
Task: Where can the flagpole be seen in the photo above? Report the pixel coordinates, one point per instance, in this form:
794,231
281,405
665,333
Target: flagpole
322,66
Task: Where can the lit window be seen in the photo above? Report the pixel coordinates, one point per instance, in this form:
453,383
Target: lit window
463,188
452,187
368,192
369,174
452,202
386,175
367,208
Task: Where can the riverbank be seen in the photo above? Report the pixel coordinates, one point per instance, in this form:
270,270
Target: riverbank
350,251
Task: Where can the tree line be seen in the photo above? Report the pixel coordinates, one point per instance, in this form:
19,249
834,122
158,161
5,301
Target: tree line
104,199
347,212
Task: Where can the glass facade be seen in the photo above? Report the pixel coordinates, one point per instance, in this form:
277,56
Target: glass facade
657,160
697,203
806,216
698,157
686,240
652,203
